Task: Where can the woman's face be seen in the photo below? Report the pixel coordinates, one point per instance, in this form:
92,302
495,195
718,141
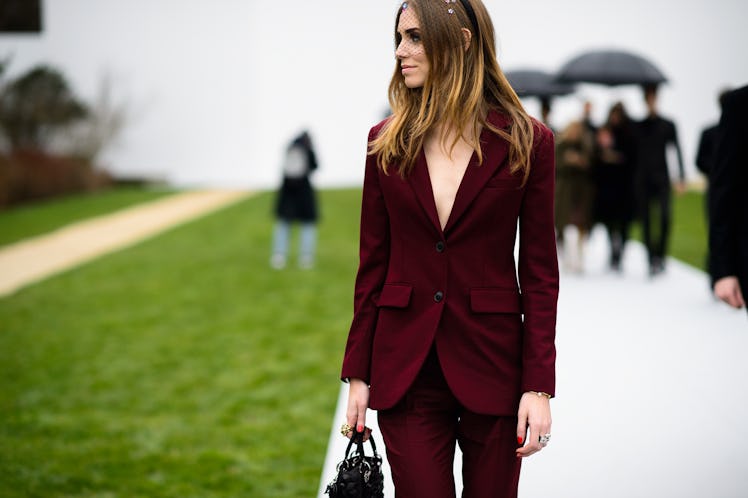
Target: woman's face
414,64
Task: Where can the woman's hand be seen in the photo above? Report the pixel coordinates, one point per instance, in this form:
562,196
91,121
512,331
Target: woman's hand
358,402
535,413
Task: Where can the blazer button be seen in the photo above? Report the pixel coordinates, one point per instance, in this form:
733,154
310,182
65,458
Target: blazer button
440,246
438,296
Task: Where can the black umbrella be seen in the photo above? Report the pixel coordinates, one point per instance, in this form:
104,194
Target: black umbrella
534,83
610,67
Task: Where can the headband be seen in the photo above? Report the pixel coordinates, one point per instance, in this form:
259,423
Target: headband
471,14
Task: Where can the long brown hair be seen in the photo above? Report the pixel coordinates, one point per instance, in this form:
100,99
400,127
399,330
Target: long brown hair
461,88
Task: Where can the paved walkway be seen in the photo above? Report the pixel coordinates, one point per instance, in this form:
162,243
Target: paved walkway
37,258
651,399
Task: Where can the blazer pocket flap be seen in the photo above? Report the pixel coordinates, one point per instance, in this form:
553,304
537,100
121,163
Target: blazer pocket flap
495,301
505,181
395,295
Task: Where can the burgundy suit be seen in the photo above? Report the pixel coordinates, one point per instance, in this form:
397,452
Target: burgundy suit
457,288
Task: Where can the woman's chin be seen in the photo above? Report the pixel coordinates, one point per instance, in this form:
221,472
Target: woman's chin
412,83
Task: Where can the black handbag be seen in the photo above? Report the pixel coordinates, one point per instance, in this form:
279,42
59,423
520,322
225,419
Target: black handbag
359,476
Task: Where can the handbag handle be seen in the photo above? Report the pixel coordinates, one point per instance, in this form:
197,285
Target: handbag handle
358,439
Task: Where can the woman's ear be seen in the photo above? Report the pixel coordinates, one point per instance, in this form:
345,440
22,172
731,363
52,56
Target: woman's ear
468,36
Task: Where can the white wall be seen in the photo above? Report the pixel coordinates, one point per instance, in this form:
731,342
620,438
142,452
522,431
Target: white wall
214,95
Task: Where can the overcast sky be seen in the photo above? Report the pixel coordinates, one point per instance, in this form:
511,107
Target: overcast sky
213,95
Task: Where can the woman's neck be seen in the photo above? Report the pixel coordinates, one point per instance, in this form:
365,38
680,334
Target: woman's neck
447,135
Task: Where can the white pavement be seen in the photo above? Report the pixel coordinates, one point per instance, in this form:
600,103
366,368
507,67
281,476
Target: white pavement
652,398
39,257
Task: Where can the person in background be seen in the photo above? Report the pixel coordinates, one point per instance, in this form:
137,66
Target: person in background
728,203
574,192
545,112
613,172
589,126
655,135
449,341
707,150
296,202
706,155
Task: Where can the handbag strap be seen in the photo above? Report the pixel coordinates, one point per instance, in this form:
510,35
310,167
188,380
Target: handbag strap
358,439
373,446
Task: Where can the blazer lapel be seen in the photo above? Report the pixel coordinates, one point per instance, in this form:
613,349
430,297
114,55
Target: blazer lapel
494,151
420,182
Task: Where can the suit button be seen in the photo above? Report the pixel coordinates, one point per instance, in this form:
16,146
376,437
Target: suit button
438,296
440,246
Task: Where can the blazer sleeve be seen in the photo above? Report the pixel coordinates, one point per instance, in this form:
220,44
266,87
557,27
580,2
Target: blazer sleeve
538,269
374,247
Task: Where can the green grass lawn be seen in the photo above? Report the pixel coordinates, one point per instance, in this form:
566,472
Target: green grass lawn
690,239
183,367
33,219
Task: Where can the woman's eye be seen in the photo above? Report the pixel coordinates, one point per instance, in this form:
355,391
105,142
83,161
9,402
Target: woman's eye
414,37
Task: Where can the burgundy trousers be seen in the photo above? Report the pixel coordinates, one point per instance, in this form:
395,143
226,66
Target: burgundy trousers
420,433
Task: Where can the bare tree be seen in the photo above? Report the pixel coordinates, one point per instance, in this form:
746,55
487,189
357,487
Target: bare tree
88,137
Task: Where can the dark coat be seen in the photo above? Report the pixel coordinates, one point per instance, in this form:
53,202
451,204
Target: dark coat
654,134
707,149
296,200
614,179
418,284
728,187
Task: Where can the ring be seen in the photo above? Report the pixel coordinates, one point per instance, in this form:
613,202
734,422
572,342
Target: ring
345,429
544,439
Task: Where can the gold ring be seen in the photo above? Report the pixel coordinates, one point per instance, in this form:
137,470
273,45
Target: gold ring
345,429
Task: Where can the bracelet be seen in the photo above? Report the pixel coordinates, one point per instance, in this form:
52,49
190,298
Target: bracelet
540,393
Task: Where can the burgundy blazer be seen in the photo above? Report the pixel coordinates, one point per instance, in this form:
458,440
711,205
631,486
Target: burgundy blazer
494,327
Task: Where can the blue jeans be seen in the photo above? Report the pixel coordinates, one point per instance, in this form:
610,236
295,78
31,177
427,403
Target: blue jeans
307,241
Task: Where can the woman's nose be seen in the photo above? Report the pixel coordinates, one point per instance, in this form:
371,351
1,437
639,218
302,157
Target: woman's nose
400,51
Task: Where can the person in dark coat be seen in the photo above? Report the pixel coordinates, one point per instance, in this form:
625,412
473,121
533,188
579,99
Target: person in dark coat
728,203
706,155
707,151
613,173
296,202
654,135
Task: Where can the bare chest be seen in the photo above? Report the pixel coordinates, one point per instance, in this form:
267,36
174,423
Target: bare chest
446,172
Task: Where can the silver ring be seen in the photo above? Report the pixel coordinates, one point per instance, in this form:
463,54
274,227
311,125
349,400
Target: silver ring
544,439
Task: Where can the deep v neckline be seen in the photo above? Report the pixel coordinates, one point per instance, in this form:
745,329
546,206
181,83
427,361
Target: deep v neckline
433,191
494,152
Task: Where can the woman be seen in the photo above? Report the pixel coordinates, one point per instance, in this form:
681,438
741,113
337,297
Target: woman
613,173
574,190
438,344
